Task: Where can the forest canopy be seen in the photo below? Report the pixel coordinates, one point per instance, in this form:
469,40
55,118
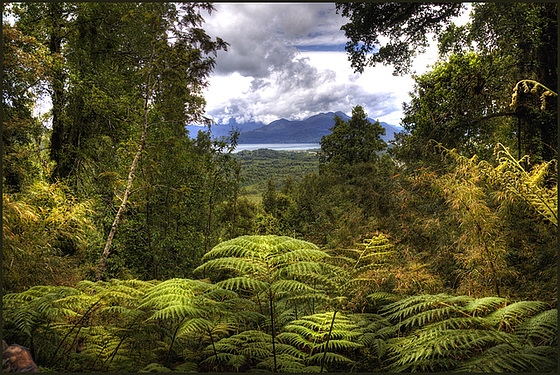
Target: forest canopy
130,245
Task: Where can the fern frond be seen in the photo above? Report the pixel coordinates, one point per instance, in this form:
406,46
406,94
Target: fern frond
483,305
176,312
330,358
339,345
299,255
293,286
460,322
503,358
218,358
243,283
511,315
240,266
320,298
187,367
155,367
301,267
296,339
430,348
542,327
425,317
412,305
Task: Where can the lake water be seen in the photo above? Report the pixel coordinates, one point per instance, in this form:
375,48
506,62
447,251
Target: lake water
278,146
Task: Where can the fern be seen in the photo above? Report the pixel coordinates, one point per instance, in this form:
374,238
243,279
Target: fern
540,329
512,177
510,316
447,333
312,334
271,268
244,349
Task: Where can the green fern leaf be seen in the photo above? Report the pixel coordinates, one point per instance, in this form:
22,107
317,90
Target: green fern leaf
541,328
483,305
330,358
511,315
243,283
155,367
296,339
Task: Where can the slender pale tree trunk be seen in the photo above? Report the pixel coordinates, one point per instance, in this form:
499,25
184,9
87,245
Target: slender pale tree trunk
127,191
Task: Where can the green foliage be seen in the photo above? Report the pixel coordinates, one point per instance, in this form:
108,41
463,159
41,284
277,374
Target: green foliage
462,104
358,272
484,200
143,326
337,340
464,224
405,25
270,269
25,65
447,333
351,142
259,166
42,226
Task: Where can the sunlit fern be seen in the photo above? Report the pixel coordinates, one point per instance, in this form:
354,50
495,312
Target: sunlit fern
35,223
350,277
448,333
269,269
353,277
191,308
333,342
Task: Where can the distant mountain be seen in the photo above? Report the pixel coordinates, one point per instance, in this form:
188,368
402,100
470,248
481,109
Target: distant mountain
224,130
309,130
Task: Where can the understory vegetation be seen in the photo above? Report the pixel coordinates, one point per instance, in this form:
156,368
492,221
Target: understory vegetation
277,304
129,246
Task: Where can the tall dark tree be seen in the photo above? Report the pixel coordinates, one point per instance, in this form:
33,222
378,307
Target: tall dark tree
26,65
405,24
171,59
51,23
354,141
522,38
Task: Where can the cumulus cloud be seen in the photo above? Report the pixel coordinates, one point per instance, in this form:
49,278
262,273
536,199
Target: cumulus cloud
272,74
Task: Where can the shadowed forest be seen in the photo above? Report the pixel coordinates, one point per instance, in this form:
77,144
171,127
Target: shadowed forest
129,246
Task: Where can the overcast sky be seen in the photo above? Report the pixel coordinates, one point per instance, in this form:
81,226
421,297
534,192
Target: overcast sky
288,61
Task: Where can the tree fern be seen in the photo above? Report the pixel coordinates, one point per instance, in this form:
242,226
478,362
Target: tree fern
270,268
540,329
245,349
188,307
446,333
352,275
330,339
35,223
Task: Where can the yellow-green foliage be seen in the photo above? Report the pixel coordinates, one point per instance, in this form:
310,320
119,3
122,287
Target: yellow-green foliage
533,87
538,186
479,195
358,272
37,225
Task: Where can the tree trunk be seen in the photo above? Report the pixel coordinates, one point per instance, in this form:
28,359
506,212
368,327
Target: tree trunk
54,22
120,212
127,191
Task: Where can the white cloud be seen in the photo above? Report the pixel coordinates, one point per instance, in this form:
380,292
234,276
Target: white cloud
264,76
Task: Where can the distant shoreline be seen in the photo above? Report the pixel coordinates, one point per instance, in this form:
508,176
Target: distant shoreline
278,146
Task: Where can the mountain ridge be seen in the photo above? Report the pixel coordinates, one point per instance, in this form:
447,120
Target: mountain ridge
309,130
